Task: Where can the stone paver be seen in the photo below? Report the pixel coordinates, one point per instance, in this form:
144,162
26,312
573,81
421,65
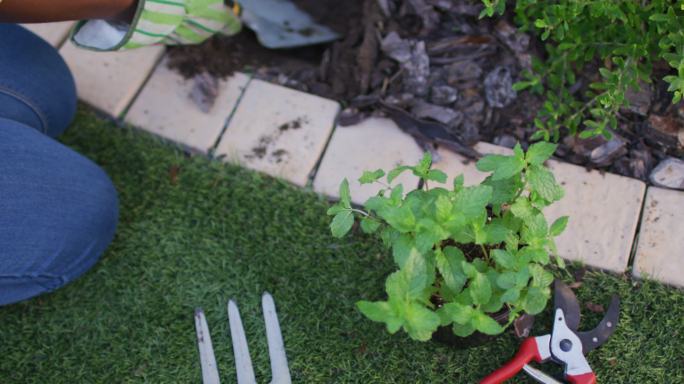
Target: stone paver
278,131
166,108
53,33
660,251
372,144
603,208
110,80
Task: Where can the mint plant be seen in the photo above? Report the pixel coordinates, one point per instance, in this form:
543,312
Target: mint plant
462,252
624,38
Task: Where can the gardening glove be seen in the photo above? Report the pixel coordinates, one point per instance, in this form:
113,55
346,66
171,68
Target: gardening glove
169,22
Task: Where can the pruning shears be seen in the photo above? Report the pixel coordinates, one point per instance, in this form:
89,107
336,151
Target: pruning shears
565,345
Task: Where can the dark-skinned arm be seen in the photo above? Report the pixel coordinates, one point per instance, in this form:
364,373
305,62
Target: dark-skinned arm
39,11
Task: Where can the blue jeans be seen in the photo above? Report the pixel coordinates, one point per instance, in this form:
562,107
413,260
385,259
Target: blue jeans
58,210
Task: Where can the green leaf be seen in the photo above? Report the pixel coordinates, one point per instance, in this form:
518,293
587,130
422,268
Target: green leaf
540,277
558,226
396,172
417,275
511,295
503,258
370,177
380,311
423,166
535,228
400,218
421,322
458,182
458,313
533,254
369,225
480,289
502,166
449,263
496,232
503,190
506,280
463,330
522,208
485,324
437,175
345,196
341,223
396,286
443,208
535,300
335,209
468,269
401,248
544,183
471,201
538,153
522,277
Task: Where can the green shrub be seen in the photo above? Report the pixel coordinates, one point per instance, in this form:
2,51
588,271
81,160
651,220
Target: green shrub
461,252
625,37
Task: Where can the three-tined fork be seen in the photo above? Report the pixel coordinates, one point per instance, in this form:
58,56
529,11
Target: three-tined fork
243,363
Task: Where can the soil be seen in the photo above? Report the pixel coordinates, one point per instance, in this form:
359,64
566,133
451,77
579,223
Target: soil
452,78
335,14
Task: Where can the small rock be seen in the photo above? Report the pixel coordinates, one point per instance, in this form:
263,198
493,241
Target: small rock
469,132
666,131
639,100
640,163
396,47
499,87
505,140
463,71
443,94
350,116
412,56
401,101
605,154
417,70
516,41
669,174
444,115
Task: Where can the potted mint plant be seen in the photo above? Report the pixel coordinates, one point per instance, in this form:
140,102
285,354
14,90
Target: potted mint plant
470,258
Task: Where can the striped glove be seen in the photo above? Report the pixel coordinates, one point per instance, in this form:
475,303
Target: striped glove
169,22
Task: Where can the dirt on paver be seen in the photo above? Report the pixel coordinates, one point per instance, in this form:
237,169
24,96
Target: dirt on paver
450,72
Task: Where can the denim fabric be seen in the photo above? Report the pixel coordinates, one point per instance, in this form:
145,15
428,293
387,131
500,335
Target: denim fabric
58,210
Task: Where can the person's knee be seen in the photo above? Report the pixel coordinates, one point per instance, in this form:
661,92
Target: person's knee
36,86
60,213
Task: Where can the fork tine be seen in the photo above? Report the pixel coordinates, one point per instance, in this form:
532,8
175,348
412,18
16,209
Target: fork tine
243,363
210,373
276,348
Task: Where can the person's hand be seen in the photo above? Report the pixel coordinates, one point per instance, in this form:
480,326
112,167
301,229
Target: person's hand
39,11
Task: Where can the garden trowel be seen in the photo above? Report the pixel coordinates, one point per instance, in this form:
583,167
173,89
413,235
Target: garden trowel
280,24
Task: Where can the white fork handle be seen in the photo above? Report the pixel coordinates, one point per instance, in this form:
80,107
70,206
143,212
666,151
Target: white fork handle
243,363
210,373
280,373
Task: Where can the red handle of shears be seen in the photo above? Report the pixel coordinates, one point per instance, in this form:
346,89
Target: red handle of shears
528,351
586,378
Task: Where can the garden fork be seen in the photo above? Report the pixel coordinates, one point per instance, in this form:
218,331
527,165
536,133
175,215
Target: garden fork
280,373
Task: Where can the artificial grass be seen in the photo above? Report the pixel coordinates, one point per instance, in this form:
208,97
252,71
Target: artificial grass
196,233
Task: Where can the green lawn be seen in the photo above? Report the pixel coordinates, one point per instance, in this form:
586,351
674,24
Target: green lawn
214,232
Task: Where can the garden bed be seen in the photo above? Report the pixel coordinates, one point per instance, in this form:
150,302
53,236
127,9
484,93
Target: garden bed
195,233
439,62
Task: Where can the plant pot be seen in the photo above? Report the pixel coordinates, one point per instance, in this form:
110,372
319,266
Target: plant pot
445,335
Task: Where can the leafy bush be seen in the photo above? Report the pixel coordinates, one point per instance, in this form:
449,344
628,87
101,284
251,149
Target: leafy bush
461,252
624,37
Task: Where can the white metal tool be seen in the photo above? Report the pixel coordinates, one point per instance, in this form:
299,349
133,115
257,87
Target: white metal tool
243,363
